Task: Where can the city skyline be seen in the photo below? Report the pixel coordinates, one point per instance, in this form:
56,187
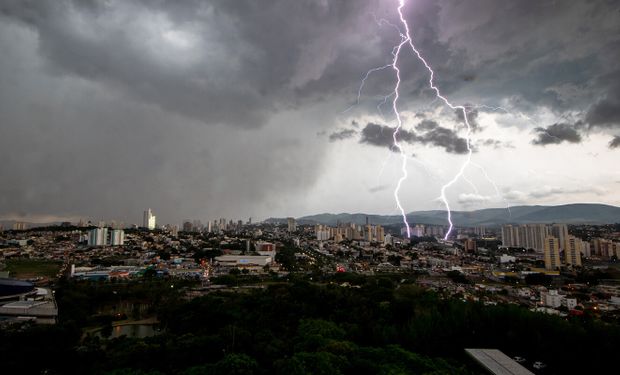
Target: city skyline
206,111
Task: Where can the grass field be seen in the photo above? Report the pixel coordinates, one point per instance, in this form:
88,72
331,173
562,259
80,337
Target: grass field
31,268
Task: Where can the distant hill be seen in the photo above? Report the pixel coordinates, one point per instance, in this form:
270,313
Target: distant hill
581,213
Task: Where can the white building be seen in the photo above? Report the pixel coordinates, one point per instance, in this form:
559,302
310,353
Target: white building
149,220
505,258
117,237
98,237
551,298
244,261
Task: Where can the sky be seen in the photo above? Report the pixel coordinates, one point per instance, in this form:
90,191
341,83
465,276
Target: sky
238,109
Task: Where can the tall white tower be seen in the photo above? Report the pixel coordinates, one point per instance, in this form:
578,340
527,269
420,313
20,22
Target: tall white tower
149,220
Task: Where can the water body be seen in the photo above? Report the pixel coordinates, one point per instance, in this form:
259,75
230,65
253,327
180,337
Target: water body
135,330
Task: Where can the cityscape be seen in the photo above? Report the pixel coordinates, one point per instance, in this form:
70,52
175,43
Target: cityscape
309,187
569,271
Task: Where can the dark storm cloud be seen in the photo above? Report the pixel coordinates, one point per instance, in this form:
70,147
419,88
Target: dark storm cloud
434,134
103,103
615,142
427,125
430,133
221,62
341,135
383,136
556,134
605,113
446,138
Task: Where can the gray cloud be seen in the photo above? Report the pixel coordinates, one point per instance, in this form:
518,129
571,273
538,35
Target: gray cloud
427,125
183,56
615,142
376,189
605,113
472,118
556,134
469,200
445,138
103,103
341,135
430,133
548,191
383,136
495,143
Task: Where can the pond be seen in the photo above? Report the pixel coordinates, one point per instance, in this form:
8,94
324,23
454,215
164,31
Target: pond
134,330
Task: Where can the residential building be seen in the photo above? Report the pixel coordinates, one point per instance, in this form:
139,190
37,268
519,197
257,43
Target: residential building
552,253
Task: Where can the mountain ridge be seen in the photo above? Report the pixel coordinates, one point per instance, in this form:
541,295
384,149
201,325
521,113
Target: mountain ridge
575,213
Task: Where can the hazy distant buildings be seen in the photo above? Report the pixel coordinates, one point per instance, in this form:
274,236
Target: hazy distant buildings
292,224
605,248
531,236
19,226
188,226
149,220
322,232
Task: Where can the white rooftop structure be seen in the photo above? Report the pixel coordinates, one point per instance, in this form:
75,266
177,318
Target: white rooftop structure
497,362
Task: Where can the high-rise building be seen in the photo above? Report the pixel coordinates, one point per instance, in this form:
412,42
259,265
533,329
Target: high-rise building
586,250
417,231
572,251
322,232
560,231
508,236
149,220
98,237
368,231
292,224
470,245
380,233
19,226
530,236
552,253
117,237
187,226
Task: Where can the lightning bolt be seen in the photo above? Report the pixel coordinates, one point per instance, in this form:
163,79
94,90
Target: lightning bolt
407,39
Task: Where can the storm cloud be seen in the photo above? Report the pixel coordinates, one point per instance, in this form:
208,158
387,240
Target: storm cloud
342,134
429,133
204,109
383,136
556,134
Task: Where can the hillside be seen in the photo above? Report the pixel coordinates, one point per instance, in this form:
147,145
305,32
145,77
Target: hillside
581,213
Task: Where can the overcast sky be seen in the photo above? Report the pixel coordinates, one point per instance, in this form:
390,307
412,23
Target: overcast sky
208,109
